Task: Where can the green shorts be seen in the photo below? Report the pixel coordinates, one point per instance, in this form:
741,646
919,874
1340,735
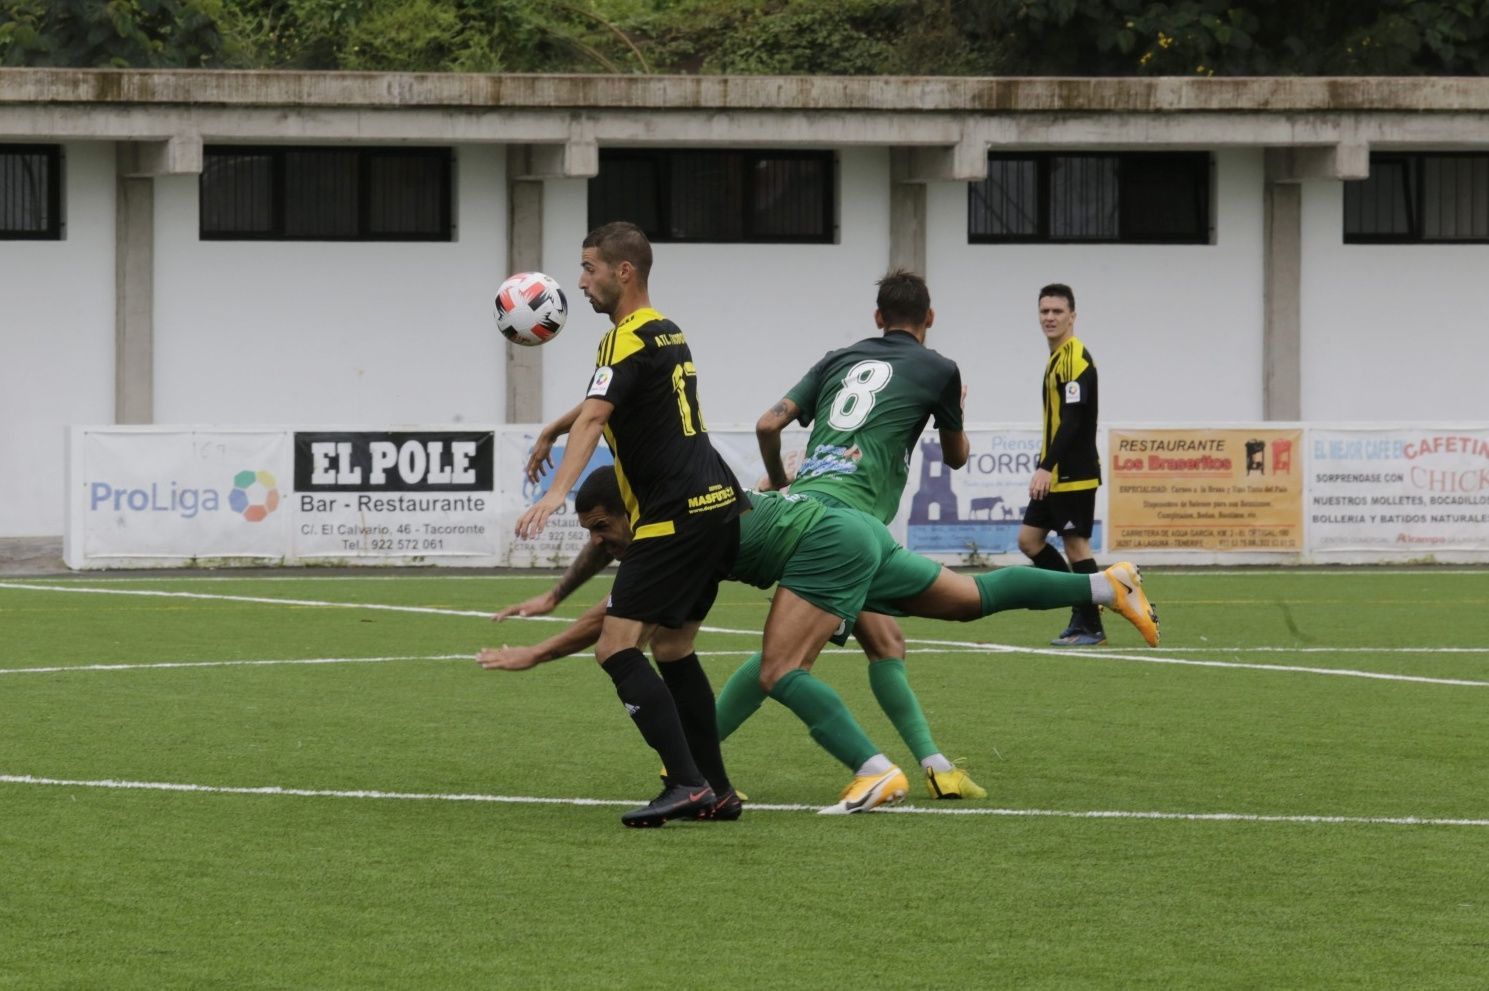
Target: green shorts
848,562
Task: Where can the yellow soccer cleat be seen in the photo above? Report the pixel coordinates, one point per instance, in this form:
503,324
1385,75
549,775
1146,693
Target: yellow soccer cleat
869,791
955,783
1131,601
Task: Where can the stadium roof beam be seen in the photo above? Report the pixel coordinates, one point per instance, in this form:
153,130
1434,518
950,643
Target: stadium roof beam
959,95
945,117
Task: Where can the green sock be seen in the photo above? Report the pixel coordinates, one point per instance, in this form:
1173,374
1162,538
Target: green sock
827,718
740,697
897,699
1031,588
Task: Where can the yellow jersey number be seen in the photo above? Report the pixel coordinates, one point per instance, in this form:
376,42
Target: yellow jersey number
687,399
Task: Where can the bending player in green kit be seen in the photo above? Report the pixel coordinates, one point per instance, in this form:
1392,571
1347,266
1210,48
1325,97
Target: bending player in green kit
830,564
868,404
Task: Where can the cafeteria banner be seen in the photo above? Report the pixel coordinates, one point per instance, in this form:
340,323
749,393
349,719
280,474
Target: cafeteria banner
1397,489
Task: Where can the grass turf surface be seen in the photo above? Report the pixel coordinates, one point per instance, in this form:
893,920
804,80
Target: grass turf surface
148,888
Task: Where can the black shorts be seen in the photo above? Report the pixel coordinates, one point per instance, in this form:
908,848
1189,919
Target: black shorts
673,580
1066,513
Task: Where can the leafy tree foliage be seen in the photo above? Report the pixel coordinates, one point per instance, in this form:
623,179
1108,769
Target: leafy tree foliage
118,33
1253,37
786,37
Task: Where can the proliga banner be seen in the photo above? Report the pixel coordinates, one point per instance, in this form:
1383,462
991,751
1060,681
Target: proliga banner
1399,489
1215,490
174,496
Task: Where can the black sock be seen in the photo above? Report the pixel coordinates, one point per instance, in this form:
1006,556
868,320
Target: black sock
1049,559
652,710
1090,615
688,683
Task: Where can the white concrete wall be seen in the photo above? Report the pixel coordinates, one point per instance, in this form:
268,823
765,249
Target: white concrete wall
1176,330
756,315
1390,332
319,332
372,333
56,343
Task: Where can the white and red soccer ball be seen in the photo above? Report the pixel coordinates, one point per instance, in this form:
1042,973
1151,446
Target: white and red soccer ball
530,309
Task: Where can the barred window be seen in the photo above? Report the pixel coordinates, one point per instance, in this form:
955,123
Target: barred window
1153,198
718,196
326,194
31,192
1440,197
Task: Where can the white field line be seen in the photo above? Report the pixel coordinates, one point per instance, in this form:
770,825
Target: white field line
450,574
1108,655
417,575
278,791
1104,655
291,661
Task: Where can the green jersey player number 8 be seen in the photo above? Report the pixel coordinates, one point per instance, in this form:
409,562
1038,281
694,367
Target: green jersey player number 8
855,401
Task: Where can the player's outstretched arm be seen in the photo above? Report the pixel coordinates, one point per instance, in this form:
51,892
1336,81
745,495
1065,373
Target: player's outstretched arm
584,437
540,459
582,633
589,562
768,434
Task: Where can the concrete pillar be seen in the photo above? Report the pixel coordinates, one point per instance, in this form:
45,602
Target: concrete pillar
907,215
1282,270
524,254
134,293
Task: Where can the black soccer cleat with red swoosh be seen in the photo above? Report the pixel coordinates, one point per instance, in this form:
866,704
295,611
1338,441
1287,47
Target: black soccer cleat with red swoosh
675,802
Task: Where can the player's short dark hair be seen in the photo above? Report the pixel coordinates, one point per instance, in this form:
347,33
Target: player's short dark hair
622,241
1059,289
600,491
903,298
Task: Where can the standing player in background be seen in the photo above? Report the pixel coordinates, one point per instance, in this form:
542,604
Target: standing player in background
870,403
683,507
1062,493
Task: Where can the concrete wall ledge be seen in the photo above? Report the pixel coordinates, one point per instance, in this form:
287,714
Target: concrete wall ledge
226,88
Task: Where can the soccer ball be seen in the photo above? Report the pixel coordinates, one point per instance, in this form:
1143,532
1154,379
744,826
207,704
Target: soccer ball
530,309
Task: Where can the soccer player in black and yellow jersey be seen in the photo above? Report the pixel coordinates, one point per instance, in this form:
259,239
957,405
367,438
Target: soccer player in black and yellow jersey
1062,493
683,505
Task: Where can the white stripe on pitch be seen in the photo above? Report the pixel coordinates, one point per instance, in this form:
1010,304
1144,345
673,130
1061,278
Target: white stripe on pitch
278,791
1088,653
940,644
290,661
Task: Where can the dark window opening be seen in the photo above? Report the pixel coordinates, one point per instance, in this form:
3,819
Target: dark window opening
327,194
1138,198
718,196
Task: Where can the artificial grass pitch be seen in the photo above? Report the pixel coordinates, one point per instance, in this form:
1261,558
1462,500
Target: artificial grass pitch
439,826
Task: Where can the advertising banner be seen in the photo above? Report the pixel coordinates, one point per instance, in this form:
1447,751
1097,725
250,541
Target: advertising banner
410,496
1399,489
970,514
179,496
562,536
1205,489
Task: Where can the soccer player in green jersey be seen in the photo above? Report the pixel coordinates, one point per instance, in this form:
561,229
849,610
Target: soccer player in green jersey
831,565
868,405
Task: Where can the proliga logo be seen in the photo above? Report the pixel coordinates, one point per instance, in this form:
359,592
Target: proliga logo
255,495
